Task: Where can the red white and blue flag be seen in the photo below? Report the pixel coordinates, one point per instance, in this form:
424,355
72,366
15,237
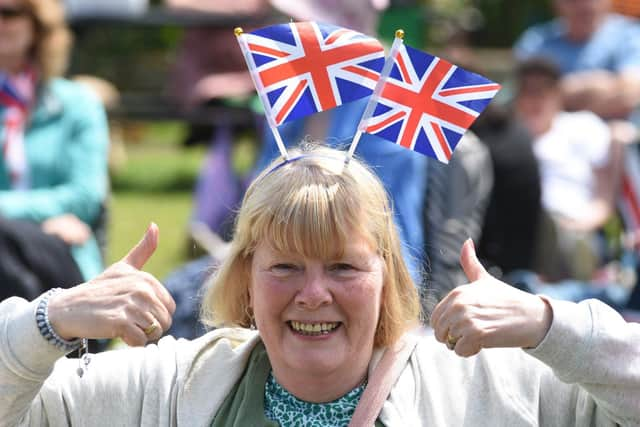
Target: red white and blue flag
16,96
425,103
9,94
306,67
629,199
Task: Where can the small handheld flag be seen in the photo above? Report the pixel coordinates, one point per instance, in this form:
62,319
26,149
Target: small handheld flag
629,198
16,96
423,102
303,68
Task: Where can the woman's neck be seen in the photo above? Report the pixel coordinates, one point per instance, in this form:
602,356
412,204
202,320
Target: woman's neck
11,65
321,388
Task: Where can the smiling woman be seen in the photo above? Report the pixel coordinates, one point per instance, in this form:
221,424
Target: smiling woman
313,308
312,254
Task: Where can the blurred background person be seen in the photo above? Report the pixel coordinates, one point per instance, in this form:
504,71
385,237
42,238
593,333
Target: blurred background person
53,169
509,234
455,205
597,52
210,70
572,149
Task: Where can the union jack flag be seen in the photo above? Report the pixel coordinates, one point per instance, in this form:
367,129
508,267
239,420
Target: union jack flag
16,95
10,95
629,199
424,103
306,67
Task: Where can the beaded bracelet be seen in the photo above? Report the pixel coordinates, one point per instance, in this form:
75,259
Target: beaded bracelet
49,334
46,330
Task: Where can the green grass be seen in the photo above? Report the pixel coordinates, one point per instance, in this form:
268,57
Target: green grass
154,184
131,214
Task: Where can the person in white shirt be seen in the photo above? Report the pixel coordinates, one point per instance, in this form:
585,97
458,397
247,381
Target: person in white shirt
573,152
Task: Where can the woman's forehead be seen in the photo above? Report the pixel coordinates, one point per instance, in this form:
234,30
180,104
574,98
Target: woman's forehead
354,246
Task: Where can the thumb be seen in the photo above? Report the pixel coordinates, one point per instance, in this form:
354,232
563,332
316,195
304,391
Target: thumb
470,263
141,252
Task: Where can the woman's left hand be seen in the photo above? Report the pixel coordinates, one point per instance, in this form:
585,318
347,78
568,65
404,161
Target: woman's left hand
488,313
67,227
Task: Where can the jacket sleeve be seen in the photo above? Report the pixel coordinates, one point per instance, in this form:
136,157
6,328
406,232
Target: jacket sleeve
593,349
38,386
86,184
457,198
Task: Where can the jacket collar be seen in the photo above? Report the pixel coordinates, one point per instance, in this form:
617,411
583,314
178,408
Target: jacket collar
48,104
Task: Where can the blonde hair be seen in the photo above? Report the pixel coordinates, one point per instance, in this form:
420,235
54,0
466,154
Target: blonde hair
53,39
311,205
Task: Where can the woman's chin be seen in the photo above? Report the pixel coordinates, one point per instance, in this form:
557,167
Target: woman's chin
315,354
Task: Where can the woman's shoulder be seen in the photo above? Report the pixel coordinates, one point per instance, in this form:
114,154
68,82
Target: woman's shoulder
69,92
218,357
223,346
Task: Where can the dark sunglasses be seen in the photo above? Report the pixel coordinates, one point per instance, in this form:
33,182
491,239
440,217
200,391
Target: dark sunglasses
12,12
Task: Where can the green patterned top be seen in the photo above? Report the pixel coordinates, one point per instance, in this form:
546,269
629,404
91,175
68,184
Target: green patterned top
288,410
257,400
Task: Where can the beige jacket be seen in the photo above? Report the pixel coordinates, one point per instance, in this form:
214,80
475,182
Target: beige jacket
586,372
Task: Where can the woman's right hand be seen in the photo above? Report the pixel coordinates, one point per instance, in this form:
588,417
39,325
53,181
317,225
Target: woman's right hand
488,313
121,302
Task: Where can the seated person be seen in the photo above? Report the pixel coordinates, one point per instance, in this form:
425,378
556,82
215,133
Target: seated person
509,231
53,172
572,149
597,52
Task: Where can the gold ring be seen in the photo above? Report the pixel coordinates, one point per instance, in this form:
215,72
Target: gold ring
451,342
151,328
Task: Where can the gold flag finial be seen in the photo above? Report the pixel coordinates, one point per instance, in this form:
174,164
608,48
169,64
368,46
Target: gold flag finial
237,31
400,34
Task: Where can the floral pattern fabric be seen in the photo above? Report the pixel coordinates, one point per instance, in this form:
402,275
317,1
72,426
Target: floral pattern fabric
288,410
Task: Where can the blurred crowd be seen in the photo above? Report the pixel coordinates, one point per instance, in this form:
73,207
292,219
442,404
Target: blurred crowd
545,182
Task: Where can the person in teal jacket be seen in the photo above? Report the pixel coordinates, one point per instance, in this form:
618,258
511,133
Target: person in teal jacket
53,133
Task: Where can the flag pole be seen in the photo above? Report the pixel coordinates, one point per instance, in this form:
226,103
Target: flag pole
261,93
368,111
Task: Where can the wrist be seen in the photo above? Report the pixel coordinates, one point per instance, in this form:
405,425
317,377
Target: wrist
56,311
46,328
543,320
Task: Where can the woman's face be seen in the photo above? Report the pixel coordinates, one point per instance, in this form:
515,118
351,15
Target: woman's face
16,32
317,317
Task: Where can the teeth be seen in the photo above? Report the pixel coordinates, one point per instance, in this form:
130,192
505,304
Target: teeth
313,328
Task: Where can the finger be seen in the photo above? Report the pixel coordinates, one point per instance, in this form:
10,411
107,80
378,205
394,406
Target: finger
141,252
470,263
466,347
134,336
162,293
437,319
148,307
150,326
449,324
162,315
437,315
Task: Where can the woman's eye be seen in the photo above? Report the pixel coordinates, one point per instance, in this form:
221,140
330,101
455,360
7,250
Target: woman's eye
342,267
284,268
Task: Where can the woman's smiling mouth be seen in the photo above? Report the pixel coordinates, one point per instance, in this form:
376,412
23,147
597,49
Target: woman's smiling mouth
313,329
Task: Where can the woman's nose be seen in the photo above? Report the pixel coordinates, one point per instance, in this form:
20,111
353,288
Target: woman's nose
314,292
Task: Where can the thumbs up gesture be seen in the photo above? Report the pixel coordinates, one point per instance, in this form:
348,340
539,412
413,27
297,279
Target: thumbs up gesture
488,313
122,302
